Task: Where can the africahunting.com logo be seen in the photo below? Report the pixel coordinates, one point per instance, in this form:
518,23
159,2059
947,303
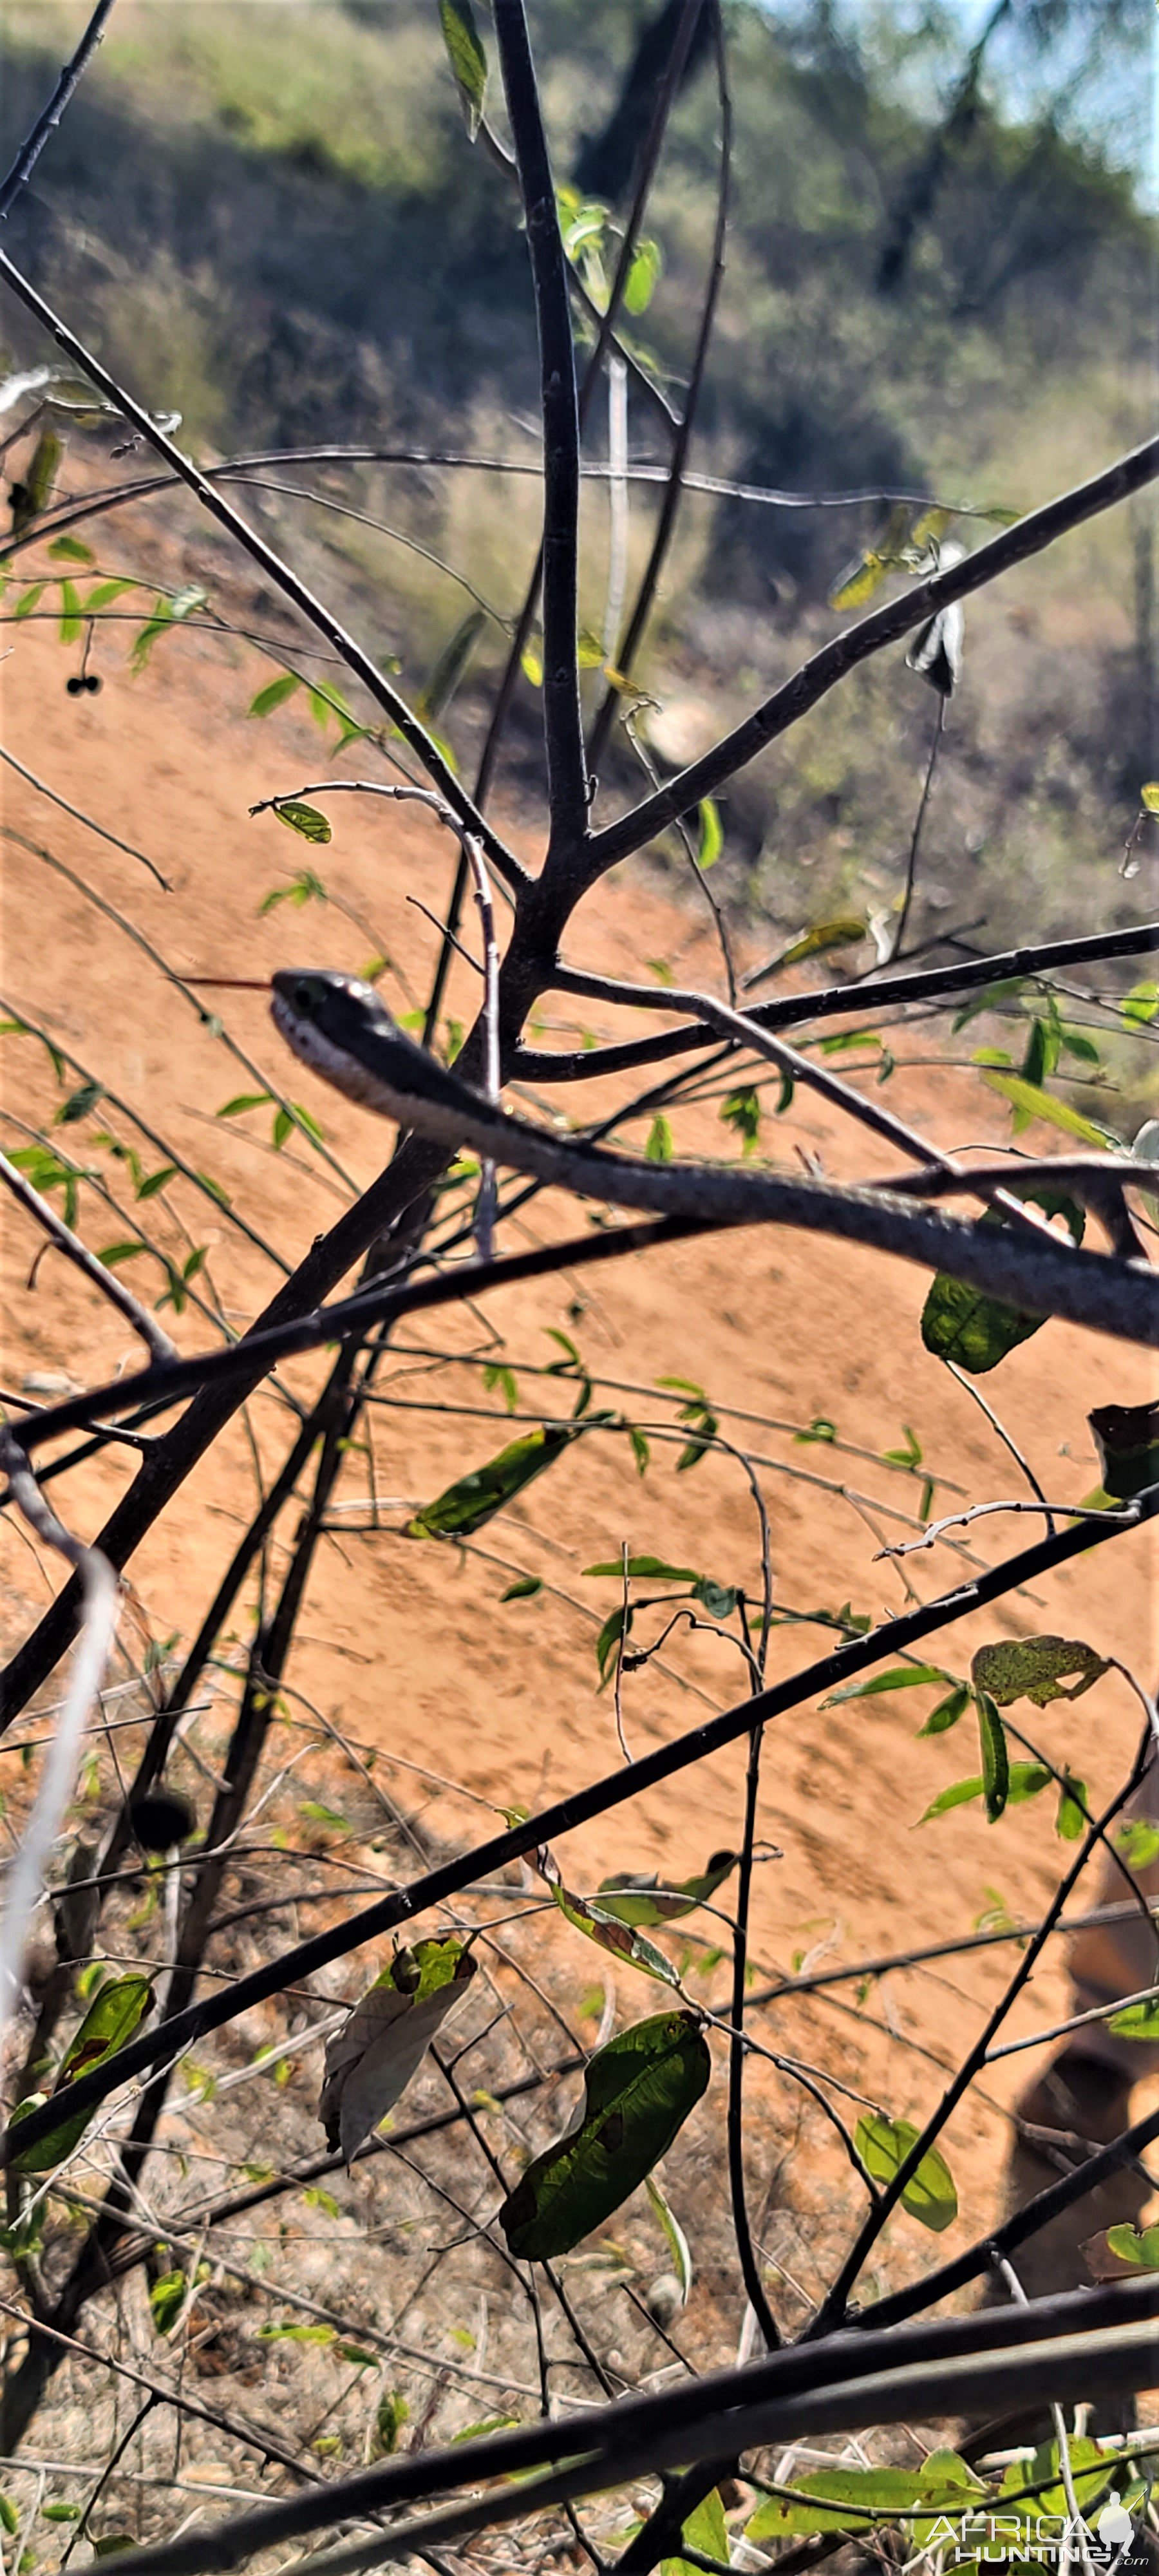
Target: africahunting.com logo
1113,2543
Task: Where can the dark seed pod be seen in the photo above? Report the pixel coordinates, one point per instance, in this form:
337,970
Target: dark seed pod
74,684
160,1818
93,683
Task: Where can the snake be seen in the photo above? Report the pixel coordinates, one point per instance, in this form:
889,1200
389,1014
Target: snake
342,1029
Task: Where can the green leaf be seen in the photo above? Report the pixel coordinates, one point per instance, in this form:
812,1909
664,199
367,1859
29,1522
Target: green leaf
78,1104
1137,2021
899,1677
1029,1098
845,932
719,1599
659,1146
531,665
166,2299
852,2500
301,818
1070,1822
115,1253
1140,1005
1035,1668
32,495
680,2251
155,1181
742,1110
1138,1842
640,1449
639,288
1126,1437
371,2060
976,1331
654,1569
995,1755
111,2019
496,1374
9,2515
1025,1780
70,550
244,1100
467,58
616,1626
1131,2244
706,2530
884,2146
711,840
638,2092
525,1590
71,622
474,1499
450,666
30,599
948,1711
639,1898
274,694
105,593
859,582
1149,796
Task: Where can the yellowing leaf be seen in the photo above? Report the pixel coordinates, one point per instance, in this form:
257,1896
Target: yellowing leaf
1036,1668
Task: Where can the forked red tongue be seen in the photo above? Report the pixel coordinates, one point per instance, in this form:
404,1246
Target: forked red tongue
225,983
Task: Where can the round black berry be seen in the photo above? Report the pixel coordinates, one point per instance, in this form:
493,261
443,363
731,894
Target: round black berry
74,684
160,1818
92,683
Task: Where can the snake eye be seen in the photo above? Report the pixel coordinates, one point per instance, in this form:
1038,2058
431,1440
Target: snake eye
302,996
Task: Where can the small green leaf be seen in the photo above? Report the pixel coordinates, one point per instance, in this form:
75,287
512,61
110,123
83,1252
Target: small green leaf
639,288
640,1899
640,1449
1131,2244
859,582
899,1677
473,1499
525,1590
678,2247
79,1104
71,626
659,1146
705,2530
30,599
638,2092
711,836
304,819
450,666
274,694
105,593
1029,1098
1025,1780
948,1711
9,2515
1149,796
884,2146
1126,1437
70,550
742,1111
114,1253
653,1569
155,1181
244,1100
1070,1822
976,1331
995,1755
111,2019
1035,1668
166,2299
616,1627
1137,2021
467,58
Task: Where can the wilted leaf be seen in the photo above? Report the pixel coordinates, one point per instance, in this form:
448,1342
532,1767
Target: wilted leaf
645,1899
111,2019
638,2092
845,932
468,60
371,2060
614,1936
929,2195
976,1331
1126,1437
1035,1668
859,581
474,1499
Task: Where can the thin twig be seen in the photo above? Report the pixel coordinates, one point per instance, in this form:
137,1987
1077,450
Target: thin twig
51,114
145,1325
